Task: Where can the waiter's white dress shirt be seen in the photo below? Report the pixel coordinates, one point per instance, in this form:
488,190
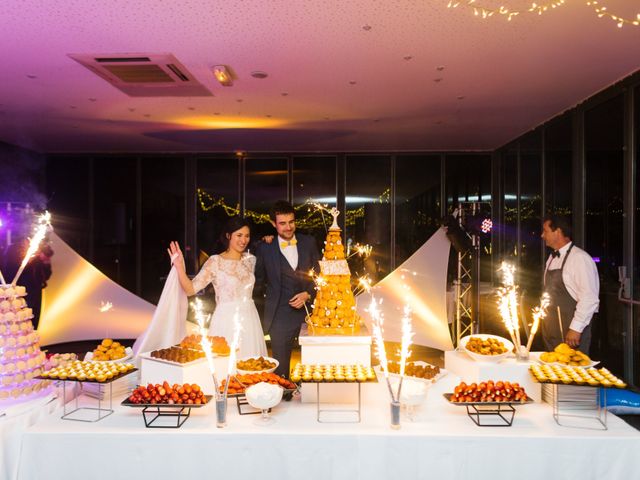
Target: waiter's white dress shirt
580,277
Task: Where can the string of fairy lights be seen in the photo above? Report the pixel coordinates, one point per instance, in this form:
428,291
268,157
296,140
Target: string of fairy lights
599,8
308,215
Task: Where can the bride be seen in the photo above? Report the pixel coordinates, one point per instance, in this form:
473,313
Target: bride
232,277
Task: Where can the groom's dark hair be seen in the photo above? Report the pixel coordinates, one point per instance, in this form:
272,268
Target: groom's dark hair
281,208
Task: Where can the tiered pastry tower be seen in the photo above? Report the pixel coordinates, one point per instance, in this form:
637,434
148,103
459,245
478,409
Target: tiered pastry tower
20,357
334,309
334,335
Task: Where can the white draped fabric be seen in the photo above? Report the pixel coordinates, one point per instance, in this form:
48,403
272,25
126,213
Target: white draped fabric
72,301
421,283
168,325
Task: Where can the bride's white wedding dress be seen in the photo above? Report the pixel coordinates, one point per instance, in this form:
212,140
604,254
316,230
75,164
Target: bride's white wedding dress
233,282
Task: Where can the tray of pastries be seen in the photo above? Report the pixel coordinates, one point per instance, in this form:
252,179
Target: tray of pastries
563,354
84,371
488,393
239,383
333,373
175,355
186,395
572,375
109,351
418,370
485,347
219,345
256,365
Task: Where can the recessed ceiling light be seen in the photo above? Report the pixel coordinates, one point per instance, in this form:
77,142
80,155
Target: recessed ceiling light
268,116
352,82
147,115
216,113
327,118
407,57
223,75
437,80
191,108
132,109
366,28
92,99
460,97
239,100
259,74
284,94
72,107
440,68
376,120
31,76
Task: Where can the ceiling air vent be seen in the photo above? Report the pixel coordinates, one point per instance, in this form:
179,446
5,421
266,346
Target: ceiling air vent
144,75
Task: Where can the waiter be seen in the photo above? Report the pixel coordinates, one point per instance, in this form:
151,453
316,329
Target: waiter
571,280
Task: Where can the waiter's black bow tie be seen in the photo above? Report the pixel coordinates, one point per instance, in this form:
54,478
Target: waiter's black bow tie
555,254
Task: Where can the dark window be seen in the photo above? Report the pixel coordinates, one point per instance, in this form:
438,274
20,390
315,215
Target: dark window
163,209
604,126
265,183
530,214
417,202
114,219
368,216
218,199
314,181
558,168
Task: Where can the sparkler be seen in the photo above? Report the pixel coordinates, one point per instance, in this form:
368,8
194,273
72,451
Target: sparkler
105,306
204,342
539,312
361,250
381,353
407,336
2,280
44,223
508,304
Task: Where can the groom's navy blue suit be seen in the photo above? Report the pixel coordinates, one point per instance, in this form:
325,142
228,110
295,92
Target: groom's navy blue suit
281,321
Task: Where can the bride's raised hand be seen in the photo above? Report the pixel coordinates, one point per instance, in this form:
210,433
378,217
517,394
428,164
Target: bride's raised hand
175,254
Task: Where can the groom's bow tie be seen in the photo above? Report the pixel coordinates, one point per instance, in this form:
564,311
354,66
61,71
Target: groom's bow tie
293,241
555,254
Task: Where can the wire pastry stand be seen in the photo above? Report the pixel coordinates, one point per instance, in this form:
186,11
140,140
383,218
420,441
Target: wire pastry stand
490,414
579,406
152,413
102,409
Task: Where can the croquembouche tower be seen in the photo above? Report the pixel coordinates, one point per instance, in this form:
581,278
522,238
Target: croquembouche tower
334,309
20,357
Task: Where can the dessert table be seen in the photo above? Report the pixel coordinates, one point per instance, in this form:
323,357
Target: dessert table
441,442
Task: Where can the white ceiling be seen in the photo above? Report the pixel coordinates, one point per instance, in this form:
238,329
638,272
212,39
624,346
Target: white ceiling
512,75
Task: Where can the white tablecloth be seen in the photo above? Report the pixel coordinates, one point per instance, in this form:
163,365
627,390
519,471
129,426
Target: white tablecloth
14,420
442,443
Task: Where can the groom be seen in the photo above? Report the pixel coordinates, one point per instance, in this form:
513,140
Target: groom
283,267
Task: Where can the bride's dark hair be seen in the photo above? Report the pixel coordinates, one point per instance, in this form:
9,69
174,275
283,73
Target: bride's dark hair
233,225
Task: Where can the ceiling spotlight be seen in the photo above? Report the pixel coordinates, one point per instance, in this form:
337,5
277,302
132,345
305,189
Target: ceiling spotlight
223,75
259,74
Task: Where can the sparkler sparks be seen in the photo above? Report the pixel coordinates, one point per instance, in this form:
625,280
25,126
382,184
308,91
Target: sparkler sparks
539,313
105,306
43,225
